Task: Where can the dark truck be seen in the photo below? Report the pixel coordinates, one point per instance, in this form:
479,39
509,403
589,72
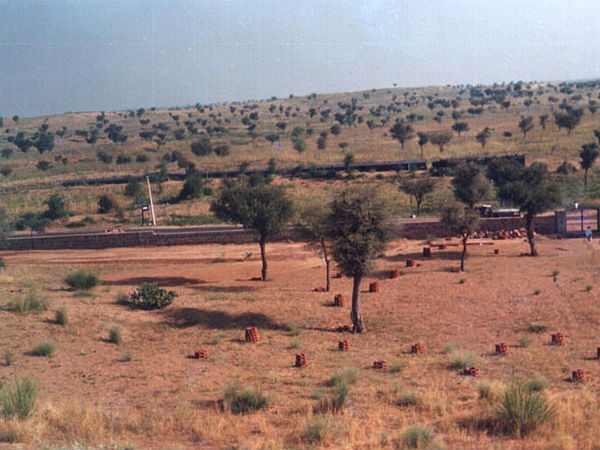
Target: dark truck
488,211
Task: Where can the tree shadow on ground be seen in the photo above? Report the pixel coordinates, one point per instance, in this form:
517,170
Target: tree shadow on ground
220,320
161,281
225,289
443,255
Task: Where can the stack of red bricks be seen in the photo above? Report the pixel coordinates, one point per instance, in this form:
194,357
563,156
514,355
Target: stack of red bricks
410,263
558,339
472,371
201,353
579,376
338,300
394,273
380,364
502,234
417,348
251,334
344,345
427,252
502,349
374,286
301,360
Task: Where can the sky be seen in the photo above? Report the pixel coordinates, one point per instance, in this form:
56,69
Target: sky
60,56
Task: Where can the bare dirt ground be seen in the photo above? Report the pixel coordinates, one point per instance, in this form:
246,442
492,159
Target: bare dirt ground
163,398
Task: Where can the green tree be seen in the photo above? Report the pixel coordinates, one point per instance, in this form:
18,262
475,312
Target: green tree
402,132
315,218
440,139
543,118
264,208
203,147
568,120
588,155
469,184
193,187
534,194
483,136
460,127
463,221
358,233
133,190
418,188
57,208
526,125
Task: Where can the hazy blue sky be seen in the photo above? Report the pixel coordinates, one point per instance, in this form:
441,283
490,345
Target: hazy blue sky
82,55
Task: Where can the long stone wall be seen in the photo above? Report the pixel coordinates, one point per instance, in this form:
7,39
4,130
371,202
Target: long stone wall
412,230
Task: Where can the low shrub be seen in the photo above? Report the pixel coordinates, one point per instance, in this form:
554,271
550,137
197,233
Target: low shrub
417,437
114,335
537,384
7,358
462,360
524,341
348,375
293,329
588,287
18,399
408,399
44,348
27,304
81,280
537,328
60,316
126,357
522,410
151,296
332,401
318,429
241,400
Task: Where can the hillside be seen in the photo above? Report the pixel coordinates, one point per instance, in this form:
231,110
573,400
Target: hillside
298,130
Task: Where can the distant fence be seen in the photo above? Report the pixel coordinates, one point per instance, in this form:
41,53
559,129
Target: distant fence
549,225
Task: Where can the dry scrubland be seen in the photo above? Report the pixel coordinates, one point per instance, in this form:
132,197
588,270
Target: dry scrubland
148,392
26,187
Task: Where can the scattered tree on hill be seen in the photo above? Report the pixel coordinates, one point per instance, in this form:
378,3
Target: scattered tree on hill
440,139
483,136
107,203
115,133
35,222
423,140
526,125
203,147
315,218
43,165
588,155
463,221
358,234
6,171
402,132
7,152
460,127
193,187
15,119
281,126
56,207
543,118
597,134
469,184
133,190
335,130
568,120
593,106
418,188
266,209
272,138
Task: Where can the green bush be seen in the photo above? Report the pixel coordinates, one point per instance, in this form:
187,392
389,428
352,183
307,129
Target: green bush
348,375
81,280
27,304
462,360
44,348
417,437
524,341
60,316
151,296
18,399
126,357
409,399
537,328
523,410
319,429
242,400
114,335
537,384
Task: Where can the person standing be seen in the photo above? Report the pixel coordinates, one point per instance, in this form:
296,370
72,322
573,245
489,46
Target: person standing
588,234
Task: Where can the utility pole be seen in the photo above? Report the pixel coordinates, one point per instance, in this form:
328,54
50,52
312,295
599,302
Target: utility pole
151,203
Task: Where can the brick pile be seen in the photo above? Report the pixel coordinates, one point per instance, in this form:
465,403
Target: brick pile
251,334
380,364
417,348
558,339
502,349
301,360
374,286
472,371
338,300
201,353
343,345
578,376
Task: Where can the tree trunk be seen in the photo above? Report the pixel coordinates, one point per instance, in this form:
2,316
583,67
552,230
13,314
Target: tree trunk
355,315
262,242
327,265
529,220
585,178
418,205
464,253
421,152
